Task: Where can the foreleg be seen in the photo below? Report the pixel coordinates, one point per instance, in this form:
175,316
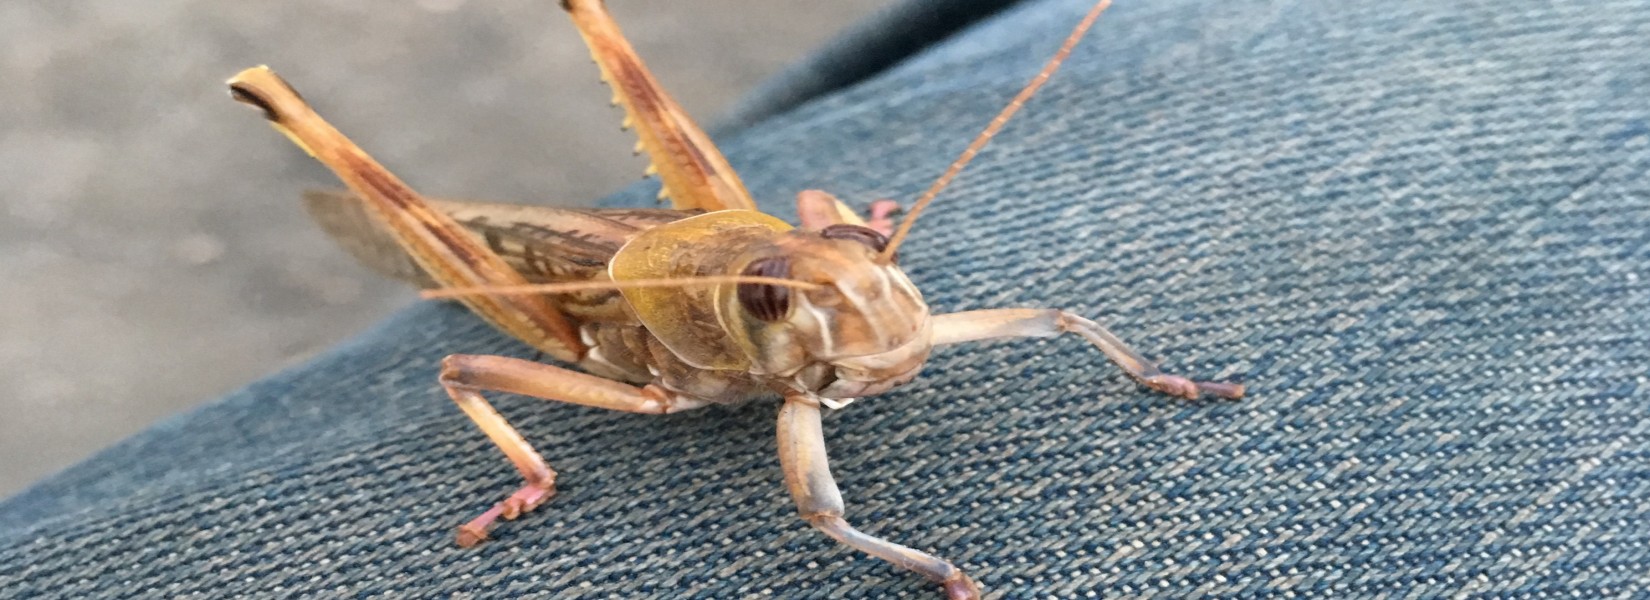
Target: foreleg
808,475
818,209
1042,322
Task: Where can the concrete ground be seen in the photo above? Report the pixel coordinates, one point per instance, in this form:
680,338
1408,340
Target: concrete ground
152,250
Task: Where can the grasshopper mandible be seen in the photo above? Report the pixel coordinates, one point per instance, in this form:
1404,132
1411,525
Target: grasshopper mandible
666,310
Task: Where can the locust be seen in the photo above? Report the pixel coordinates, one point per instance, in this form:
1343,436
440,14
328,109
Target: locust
710,301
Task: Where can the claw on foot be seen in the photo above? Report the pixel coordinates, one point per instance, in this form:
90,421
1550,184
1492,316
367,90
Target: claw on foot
470,535
881,216
1176,385
523,500
960,587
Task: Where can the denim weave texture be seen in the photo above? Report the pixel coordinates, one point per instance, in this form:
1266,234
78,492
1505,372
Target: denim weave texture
1418,230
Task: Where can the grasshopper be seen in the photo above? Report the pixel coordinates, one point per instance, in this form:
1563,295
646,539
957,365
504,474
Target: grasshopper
667,310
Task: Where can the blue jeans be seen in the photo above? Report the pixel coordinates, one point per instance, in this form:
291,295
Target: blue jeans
1419,230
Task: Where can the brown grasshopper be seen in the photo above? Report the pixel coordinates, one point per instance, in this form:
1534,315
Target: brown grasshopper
667,310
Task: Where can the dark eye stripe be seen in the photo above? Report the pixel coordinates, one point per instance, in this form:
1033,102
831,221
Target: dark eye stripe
766,302
864,235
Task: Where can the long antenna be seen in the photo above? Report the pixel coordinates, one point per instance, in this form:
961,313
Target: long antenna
992,129
585,286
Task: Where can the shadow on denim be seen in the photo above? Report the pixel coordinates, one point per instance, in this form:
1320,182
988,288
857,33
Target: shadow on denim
1419,230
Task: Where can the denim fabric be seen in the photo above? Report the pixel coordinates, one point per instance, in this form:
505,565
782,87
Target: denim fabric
1419,230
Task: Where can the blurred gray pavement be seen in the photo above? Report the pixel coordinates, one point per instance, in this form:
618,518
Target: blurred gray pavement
153,253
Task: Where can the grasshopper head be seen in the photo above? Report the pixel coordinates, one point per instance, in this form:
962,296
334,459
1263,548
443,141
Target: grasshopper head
862,330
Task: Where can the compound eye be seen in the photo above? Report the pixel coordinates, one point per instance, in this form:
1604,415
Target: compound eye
864,235
764,301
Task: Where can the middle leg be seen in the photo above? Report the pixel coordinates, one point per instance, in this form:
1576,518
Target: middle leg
465,376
